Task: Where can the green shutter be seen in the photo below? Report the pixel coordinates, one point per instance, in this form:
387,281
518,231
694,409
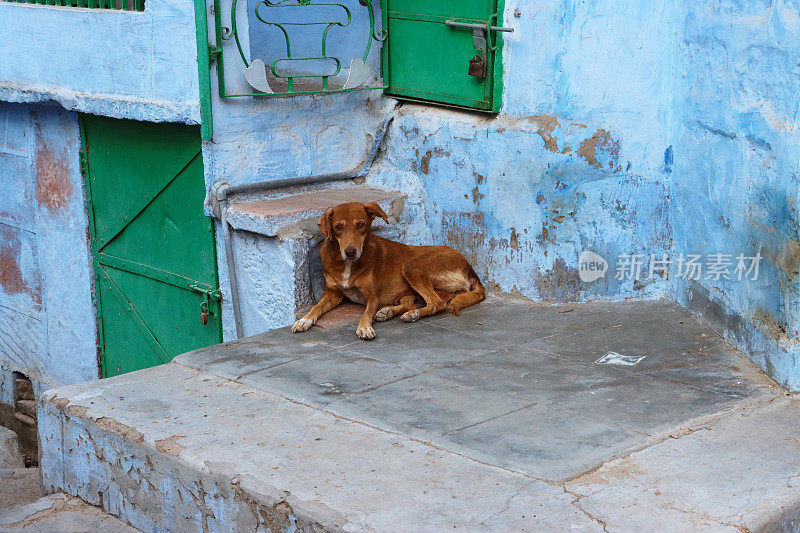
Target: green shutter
428,60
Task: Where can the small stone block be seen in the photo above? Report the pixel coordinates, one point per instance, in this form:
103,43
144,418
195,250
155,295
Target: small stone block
10,456
27,407
24,389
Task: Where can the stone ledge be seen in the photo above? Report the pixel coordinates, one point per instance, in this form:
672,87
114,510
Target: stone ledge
244,459
293,214
250,460
111,105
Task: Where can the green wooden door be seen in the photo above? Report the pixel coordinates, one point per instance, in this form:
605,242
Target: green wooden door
153,248
429,60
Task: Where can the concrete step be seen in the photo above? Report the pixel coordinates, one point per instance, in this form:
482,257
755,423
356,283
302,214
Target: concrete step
10,455
289,214
276,250
498,420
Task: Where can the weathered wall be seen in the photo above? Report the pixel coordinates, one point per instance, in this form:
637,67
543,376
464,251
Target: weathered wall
262,139
258,139
47,318
575,160
627,128
137,65
737,171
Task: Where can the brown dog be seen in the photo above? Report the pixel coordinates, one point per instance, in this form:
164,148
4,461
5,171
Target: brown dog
385,275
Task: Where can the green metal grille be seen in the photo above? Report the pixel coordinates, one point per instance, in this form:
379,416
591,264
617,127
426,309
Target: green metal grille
260,76
122,5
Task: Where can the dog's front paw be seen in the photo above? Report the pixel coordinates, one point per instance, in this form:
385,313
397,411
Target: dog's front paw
384,314
410,316
302,325
455,311
366,333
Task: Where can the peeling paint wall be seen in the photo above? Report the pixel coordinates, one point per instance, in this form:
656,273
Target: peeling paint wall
574,161
737,171
522,197
123,64
47,318
645,128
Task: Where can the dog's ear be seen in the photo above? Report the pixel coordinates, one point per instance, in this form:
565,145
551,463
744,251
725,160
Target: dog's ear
325,223
374,210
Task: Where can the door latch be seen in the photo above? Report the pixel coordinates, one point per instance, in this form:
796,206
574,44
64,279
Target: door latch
208,295
478,65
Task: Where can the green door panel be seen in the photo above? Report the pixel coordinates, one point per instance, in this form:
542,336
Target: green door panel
120,149
173,221
429,60
125,332
171,316
421,72
153,248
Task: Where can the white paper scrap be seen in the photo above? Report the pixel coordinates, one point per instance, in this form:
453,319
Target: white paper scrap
614,358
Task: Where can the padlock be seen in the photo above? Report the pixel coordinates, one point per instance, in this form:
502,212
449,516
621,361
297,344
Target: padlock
204,314
477,66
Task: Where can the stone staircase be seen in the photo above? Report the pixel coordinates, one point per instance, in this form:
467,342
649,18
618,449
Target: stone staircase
275,242
24,509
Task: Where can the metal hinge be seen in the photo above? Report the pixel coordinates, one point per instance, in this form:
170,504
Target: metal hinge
213,52
83,162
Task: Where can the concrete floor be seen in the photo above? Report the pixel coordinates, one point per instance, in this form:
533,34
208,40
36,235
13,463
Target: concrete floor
513,383
499,420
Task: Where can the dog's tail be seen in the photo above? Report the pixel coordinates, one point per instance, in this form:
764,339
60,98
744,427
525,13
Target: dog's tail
475,294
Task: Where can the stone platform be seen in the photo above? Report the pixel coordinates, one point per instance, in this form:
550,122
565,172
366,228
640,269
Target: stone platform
514,416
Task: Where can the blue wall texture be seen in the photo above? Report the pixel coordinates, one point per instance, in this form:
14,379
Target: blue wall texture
659,129
736,175
574,161
47,319
649,128
123,64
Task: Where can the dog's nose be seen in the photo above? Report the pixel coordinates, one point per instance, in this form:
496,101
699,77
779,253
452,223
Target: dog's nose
350,252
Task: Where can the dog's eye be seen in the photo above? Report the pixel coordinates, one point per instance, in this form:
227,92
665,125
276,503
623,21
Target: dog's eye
339,227
360,225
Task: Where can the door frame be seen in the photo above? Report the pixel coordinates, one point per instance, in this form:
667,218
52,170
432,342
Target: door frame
97,275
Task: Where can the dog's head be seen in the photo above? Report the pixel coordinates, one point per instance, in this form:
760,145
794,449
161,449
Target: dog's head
349,224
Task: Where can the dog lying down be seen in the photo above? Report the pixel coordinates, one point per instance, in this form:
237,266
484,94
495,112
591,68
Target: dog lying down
387,276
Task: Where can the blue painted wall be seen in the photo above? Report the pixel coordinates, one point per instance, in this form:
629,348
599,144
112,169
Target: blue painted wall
574,161
737,171
135,65
47,318
123,64
627,127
